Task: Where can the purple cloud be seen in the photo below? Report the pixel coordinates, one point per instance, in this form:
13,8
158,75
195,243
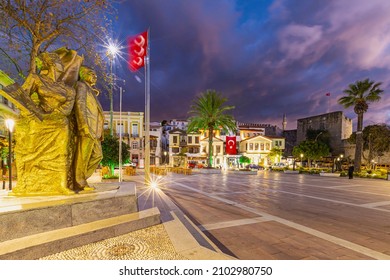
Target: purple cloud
266,57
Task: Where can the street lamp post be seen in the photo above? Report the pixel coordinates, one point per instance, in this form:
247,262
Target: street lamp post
315,140
301,160
120,134
9,123
111,53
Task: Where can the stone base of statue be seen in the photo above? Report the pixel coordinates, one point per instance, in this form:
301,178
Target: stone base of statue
34,227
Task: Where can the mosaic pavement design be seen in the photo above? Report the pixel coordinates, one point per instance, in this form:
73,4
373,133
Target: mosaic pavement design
152,243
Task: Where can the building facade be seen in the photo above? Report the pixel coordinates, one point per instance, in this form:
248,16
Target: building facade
336,123
131,126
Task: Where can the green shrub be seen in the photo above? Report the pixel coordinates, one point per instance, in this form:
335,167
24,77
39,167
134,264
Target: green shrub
110,176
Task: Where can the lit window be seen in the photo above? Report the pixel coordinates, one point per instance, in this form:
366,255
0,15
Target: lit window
134,130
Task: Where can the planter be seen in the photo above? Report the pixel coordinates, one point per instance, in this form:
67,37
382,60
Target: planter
242,172
110,180
291,171
329,174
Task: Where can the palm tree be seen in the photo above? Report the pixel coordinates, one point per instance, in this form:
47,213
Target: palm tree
360,95
209,113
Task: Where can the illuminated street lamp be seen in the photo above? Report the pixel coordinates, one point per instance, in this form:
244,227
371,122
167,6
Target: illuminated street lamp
112,51
9,123
165,158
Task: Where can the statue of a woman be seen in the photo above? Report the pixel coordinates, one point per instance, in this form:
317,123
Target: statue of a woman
44,149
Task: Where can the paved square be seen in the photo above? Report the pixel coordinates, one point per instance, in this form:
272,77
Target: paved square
274,215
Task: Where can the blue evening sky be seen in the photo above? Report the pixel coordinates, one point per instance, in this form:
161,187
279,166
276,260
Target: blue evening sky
268,58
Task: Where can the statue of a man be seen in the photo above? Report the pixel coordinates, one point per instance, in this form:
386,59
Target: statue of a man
90,125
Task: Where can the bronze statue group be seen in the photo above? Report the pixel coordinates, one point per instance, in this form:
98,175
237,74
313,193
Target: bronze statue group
60,127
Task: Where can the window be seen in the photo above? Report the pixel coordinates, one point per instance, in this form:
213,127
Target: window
218,149
250,146
256,146
175,140
196,139
193,150
134,130
267,146
189,139
119,128
175,150
134,145
262,146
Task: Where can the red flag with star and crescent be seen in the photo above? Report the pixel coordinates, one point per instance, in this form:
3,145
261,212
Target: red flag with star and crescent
231,145
137,48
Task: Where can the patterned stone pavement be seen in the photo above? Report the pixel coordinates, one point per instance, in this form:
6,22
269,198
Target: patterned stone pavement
152,243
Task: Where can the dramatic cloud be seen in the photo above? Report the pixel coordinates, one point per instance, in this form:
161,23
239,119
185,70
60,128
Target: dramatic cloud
267,57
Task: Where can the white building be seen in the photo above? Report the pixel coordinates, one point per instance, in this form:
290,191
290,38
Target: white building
131,125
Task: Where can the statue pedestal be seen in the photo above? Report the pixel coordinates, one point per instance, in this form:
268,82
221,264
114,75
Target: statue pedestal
33,227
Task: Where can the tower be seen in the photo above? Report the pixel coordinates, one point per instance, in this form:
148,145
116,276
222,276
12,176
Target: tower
284,123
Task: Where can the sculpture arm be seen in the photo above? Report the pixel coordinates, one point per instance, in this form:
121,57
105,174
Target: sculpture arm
20,97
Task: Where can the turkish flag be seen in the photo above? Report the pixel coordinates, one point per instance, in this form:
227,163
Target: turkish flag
137,48
231,145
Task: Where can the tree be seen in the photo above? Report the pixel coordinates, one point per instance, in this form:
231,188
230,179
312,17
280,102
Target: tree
110,147
376,140
275,153
319,135
359,95
28,28
311,150
209,113
244,159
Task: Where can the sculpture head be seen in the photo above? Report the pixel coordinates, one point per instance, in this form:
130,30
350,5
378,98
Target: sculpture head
88,75
50,65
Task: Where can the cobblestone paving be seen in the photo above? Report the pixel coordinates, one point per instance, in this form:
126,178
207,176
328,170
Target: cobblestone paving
151,243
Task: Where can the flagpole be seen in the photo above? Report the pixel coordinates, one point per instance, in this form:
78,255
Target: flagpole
120,134
147,112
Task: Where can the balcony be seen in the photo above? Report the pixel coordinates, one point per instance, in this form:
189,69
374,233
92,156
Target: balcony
126,135
183,143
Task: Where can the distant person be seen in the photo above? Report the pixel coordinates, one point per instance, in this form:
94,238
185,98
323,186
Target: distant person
350,171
